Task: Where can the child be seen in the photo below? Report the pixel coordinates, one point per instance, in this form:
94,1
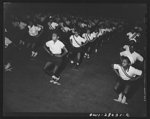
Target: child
77,42
127,75
87,36
131,54
57,60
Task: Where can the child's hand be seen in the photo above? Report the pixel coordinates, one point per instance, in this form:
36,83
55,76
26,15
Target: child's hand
57,55
112,65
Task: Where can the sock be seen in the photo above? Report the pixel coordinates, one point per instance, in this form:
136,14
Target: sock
120,97
124,99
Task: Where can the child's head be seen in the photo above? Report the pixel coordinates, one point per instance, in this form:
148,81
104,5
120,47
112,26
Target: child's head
131,48
76,33
55,36
88,31
132,42
125,62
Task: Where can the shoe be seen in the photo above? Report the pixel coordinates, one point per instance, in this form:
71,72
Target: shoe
72,62
77,64
7,66
96,50
116,100
85,56
34,54
55,78
10,69
55,82
88,57
124,100
120,97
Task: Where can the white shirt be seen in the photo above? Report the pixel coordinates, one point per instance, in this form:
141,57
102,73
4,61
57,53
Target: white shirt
55,48
77,41
132,57
87,37
33,31
126,47
7,42
83,25
101,32
132,72
5,30
52,25
66,29
22,25
130,36
94,35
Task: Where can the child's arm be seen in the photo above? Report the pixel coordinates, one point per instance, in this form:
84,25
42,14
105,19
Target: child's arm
135,78
115,70
46,49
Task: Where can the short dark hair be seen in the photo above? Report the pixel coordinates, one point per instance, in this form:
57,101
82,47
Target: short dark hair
126,58
132,42
54,32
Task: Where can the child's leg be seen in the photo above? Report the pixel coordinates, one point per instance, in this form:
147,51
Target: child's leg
99,44
73,56
62,66
48,67
33,45
78,58
81,57
117,87
118,90
55,69
125,92
28,44
88,51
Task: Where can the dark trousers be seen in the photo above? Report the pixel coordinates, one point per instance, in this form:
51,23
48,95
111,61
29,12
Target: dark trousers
55,65
98,43
76,54
85,49
43,38
122,86
62,66
91,47
9,54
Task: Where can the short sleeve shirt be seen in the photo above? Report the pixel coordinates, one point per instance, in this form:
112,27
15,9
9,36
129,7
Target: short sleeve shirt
55,48
132,72
87,37
130,35
77,41
54,25
7,41
132,56
33,31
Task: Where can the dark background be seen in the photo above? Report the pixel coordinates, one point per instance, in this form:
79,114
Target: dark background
132,12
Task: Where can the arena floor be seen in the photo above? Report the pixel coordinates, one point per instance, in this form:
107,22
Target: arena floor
27,87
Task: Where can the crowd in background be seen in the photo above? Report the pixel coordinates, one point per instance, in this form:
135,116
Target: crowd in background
33,30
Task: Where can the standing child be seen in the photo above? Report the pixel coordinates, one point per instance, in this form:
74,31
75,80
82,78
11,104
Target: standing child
77,42
127,75
57,58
